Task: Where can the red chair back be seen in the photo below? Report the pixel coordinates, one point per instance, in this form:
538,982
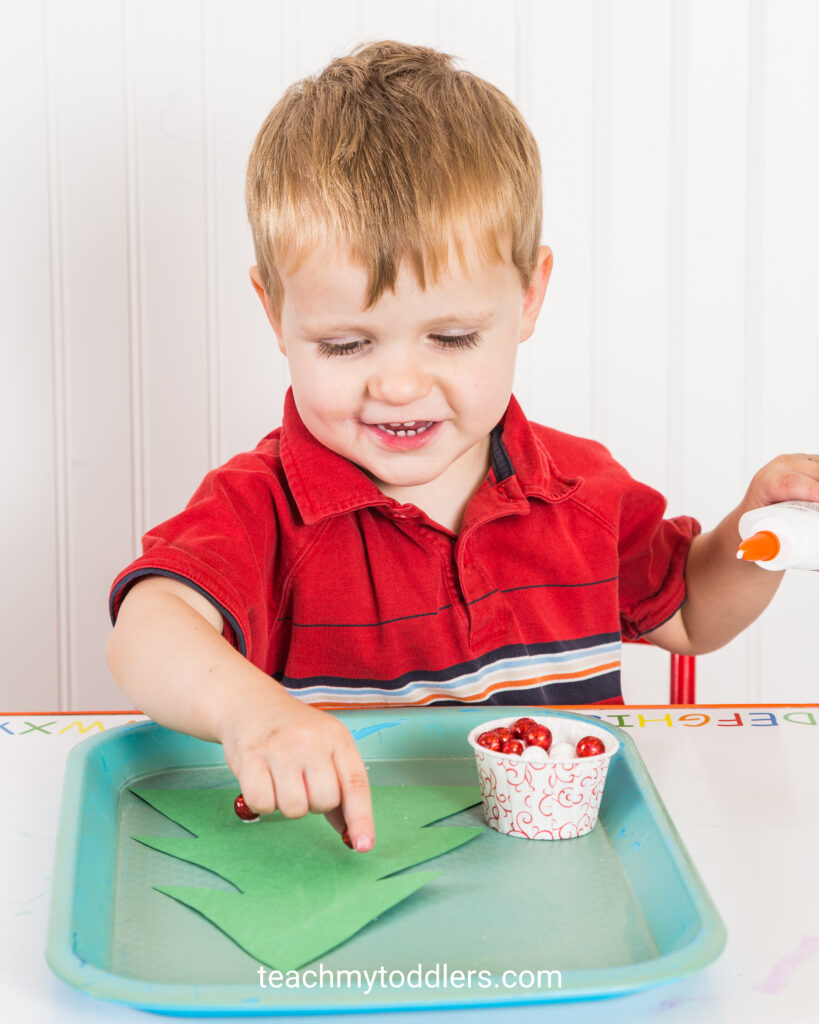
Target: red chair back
682,679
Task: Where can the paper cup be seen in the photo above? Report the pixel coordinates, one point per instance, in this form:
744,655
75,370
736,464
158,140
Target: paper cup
553,799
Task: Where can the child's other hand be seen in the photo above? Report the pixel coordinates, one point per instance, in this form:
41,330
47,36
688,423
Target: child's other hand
294,758
785,478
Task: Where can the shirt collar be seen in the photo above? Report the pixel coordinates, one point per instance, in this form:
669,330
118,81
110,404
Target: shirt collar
530,468
325,484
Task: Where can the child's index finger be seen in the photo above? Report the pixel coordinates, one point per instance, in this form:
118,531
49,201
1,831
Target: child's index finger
336,819
356,804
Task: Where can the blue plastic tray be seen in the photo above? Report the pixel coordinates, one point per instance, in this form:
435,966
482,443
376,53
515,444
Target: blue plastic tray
614,911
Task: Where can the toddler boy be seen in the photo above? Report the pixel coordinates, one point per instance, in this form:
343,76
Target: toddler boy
407,536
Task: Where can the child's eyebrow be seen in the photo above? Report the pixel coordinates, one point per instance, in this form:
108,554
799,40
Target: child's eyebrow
481,318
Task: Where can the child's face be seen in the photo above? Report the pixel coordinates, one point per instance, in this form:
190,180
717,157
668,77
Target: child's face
410,389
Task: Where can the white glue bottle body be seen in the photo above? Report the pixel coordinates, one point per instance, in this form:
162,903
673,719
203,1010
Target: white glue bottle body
781,536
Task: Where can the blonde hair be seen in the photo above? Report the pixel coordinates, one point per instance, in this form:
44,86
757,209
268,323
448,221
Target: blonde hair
394,153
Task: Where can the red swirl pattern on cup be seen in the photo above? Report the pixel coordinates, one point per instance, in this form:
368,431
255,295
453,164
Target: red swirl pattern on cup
543,799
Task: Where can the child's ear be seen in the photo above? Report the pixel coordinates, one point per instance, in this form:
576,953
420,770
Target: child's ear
275,321
535,293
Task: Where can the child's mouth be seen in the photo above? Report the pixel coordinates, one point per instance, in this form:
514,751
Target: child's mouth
405,436
410,429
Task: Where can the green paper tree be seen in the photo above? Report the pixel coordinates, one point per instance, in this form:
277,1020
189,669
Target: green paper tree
301,890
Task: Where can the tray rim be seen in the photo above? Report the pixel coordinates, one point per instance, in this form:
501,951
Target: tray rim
193,999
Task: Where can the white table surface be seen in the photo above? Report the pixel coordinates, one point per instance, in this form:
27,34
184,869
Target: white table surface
743,797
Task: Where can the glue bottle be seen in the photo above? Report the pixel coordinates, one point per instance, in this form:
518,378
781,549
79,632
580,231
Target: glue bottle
781,536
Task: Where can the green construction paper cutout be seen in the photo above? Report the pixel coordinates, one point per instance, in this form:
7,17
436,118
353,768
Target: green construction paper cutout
301,891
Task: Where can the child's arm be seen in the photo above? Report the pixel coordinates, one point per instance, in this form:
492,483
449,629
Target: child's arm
725,594
168,655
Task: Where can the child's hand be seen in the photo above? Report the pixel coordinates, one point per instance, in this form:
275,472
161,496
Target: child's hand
294,758
785,478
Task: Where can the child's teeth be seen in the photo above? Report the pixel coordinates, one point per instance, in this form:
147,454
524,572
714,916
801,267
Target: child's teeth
404,429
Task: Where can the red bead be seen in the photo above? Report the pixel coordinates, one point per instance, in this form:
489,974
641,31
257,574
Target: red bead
243,810
512,747
590,746
490,740
345,837
538,736
520,726
503,734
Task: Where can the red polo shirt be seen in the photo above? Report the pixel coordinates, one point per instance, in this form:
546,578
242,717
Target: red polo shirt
351,599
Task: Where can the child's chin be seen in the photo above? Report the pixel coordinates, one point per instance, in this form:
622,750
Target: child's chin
382,477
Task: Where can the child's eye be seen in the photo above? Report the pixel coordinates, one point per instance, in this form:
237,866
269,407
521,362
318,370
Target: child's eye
458,340
345,349
348,348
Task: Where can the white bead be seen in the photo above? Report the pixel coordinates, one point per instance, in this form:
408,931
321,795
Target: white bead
563,752
535,754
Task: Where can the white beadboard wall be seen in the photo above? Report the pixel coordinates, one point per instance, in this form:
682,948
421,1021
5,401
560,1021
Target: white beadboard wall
680,158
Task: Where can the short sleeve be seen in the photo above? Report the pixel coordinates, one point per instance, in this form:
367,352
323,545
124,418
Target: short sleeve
224,545
652,552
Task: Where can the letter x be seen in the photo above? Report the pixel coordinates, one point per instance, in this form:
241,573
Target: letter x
37,728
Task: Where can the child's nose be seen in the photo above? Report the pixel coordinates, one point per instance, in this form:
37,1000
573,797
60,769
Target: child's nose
399,379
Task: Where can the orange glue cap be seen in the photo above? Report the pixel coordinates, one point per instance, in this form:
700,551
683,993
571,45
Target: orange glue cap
761,547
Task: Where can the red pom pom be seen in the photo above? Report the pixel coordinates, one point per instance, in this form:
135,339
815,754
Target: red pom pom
490,740
520,726
512,747
243,810
503,734
590,746
538,736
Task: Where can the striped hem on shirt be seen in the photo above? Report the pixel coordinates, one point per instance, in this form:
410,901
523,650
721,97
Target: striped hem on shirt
579,671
